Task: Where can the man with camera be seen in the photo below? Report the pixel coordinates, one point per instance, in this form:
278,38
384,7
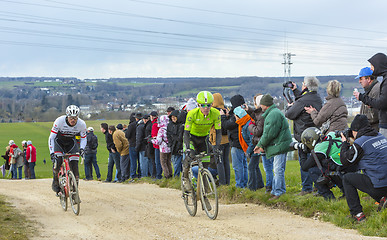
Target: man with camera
325,157
368,153
308,96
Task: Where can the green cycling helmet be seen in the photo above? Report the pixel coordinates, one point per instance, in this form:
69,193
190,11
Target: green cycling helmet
204,97
310,137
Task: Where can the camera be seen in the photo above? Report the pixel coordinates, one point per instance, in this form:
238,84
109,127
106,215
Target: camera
288,84
325,180
346,132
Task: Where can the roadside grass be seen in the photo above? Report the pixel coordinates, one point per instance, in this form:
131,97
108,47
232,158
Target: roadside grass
13,225
308,206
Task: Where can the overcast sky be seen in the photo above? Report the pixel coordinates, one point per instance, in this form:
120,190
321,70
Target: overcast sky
188,38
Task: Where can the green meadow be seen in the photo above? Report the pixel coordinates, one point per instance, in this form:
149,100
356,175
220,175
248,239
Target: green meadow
309,206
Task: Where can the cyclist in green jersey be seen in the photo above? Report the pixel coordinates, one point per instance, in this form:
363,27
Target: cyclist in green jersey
197,127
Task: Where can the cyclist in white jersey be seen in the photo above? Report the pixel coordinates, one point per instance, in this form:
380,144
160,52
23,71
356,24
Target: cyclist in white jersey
62,141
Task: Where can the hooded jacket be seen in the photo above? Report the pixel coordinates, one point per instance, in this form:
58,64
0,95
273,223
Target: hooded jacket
219,104
175,132
130,133
296,112
379,61
140,136
161,139
121,142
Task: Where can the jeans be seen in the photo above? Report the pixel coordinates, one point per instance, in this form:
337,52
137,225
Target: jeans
16,170
268,167
124,161
27,174
177,167
354,181
133,162
114,158
306,180
159,170
224,166
279,164
255,176
239,164
88,167
144,164
31,167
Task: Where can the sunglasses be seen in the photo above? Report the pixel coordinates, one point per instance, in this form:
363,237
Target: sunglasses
205,105
73,118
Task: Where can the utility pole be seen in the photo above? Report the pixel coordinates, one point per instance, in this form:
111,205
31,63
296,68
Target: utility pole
287,64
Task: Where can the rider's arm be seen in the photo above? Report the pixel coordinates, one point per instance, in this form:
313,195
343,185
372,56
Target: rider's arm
187,139
54,132
83,136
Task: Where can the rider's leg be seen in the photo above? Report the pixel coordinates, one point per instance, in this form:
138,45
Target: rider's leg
56,167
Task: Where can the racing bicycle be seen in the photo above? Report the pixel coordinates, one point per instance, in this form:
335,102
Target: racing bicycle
68,186
203,189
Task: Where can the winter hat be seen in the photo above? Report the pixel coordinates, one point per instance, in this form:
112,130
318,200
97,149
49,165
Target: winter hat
119,126
191,104
24,142
91,129
29,142
11,142
175,113
360,121
146,116
267,100
258,100
138,115
240,112
218,101
154,114
170,109
237,101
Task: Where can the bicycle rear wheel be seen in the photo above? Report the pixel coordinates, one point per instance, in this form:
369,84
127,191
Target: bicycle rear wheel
62,193
74,194
208,194
190,201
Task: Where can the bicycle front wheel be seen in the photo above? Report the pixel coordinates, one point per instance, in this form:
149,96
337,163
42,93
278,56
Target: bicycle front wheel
208,194
74,194
189,197
62,194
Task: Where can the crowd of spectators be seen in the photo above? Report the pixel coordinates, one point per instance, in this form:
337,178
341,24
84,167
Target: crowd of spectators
329,153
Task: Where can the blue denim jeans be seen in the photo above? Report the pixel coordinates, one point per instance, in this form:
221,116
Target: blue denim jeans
114,158
144,164
255,176
133,162
159,170
279,165
239,163
177,167
268,167
88,166
306,180
31,167
224,166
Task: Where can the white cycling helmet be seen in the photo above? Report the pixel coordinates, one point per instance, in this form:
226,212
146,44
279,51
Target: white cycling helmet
72,111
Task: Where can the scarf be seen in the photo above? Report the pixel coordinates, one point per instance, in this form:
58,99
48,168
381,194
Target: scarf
241,122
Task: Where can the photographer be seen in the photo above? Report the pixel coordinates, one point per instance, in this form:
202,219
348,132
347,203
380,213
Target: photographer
308,96
325,157
368,153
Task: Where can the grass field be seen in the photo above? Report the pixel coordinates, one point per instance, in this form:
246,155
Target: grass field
308,206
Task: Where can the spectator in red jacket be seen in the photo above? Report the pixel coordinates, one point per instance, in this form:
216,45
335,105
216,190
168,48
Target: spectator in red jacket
31,158
155,130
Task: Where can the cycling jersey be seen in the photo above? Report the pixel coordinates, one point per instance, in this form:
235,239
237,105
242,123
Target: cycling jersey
66,134
199,125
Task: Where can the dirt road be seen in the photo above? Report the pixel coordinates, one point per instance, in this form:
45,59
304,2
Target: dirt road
145,211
